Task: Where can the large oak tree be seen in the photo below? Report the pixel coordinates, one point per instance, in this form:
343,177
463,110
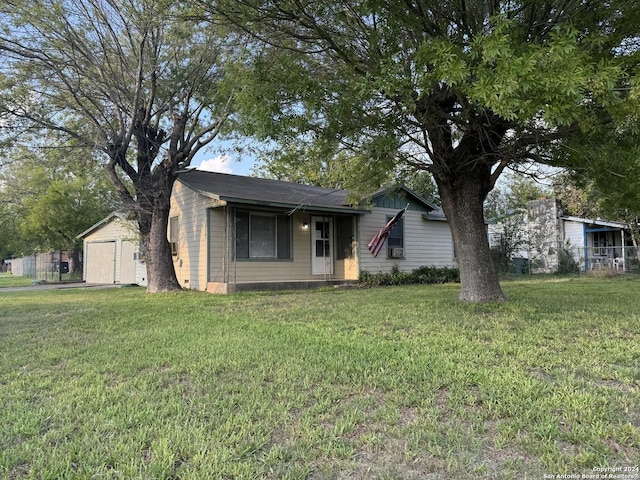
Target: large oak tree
135,80
459,88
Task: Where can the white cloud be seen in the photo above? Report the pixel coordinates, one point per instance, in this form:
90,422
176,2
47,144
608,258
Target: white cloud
220,164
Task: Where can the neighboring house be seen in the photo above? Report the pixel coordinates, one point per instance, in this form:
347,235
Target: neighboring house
591,243
231,233
112,252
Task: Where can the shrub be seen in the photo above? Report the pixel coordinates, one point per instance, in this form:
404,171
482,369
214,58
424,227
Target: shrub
566,261
422,275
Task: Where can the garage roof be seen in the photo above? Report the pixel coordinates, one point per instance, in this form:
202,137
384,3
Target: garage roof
102,222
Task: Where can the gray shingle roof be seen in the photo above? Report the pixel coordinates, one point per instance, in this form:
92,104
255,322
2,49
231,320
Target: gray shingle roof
261,191
275,193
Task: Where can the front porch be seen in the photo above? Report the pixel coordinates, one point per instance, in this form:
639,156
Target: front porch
619,259
261,249
607,246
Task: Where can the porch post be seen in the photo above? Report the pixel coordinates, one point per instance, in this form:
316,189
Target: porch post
623,252
586,247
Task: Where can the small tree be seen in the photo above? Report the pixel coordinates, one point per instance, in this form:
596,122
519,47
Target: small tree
506,209
577,194
567,260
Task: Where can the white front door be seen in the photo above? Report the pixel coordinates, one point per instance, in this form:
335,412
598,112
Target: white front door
321,246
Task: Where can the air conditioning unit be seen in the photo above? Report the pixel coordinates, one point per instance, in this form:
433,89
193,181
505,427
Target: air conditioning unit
396,252
174,248
139,256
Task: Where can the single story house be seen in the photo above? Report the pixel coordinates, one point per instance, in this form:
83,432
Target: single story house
112,252
230,233
592,243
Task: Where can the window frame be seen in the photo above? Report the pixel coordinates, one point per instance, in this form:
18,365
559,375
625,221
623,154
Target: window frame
174,234
244,243
398,227
345,237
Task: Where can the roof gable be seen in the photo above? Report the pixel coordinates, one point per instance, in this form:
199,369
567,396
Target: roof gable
399,196
103,222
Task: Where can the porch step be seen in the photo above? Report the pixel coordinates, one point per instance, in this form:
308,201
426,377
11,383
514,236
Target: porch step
280,286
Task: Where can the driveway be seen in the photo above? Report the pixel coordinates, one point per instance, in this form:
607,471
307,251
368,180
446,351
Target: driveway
58,286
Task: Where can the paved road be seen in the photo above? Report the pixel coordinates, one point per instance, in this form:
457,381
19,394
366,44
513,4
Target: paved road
58,286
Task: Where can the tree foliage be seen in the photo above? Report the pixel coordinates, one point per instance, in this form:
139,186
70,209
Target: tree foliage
422,183
459,89
512,195
50,196
577,195
139,82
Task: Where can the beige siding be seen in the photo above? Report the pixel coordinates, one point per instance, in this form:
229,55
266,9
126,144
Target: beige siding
127,263
191,261
426,243
117,228
205,247
347,269
218,260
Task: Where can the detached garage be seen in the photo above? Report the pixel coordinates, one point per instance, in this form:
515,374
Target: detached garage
111,252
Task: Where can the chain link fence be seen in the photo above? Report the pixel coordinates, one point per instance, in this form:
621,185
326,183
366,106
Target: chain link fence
572,259
46,267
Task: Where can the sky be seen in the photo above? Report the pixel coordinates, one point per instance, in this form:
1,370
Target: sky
224,163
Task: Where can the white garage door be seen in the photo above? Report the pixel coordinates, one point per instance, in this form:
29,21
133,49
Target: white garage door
101,262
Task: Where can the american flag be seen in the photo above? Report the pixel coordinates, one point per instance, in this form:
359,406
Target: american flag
375,245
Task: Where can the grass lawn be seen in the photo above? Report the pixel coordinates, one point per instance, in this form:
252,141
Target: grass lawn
9,280
390,383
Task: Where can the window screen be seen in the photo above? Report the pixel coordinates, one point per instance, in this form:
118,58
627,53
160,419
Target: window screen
263,236
344,237
396,235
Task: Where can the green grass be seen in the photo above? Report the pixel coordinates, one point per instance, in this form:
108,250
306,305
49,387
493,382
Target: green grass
391,383
9,280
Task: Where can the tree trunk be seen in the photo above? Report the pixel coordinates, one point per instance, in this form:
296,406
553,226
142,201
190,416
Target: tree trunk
161,276
153,221
75,263
462,199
